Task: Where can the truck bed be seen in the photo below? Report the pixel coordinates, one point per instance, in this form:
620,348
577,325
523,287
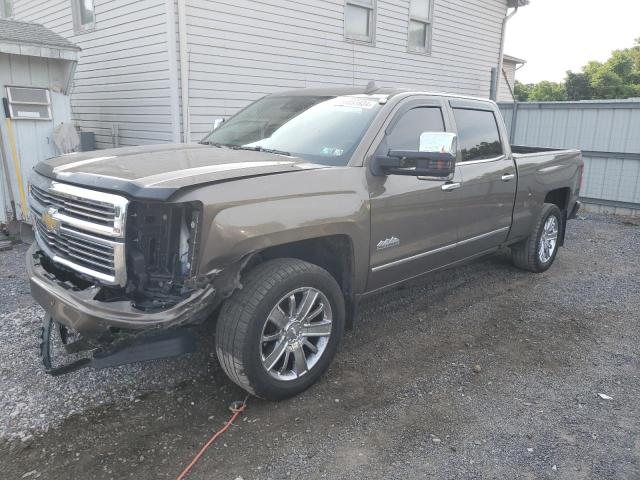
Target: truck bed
543,170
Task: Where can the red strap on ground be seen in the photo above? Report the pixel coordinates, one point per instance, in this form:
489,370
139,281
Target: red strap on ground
237,408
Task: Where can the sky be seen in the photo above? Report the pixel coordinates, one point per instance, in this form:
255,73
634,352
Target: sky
554,36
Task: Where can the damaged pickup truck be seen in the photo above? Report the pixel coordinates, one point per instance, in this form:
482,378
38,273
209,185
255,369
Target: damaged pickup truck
278,224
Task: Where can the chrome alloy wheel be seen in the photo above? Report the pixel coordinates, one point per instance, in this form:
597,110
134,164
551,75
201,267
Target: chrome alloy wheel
548,239
296,333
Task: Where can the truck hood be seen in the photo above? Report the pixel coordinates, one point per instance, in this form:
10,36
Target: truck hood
158,171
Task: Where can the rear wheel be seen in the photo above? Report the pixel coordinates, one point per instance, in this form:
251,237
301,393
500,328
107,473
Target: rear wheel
278,334
538,252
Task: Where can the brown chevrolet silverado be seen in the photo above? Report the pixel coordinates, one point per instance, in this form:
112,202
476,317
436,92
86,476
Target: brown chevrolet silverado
278,223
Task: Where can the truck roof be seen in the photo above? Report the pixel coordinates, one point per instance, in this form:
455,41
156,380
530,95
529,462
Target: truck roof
387,91
337,91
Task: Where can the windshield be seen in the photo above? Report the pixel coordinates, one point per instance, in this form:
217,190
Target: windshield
321,129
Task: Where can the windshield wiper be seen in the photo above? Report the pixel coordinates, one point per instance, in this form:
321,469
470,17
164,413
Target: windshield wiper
215,144
261,149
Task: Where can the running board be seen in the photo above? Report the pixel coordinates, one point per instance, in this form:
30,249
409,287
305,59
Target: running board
153,347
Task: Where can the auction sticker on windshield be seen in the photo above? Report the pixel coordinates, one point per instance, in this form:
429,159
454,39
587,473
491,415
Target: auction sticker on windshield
354,102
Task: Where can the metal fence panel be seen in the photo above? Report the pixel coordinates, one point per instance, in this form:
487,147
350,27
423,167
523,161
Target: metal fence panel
608,133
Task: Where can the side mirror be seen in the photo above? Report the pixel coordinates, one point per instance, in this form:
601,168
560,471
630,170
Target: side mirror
436,158
217,123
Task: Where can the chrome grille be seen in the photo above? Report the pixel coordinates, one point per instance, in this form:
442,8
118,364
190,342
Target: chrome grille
79,228
83,209
86,253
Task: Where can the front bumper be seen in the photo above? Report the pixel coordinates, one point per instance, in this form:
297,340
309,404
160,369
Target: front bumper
78,310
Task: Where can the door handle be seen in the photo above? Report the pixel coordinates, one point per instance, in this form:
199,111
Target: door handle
508,176
448,187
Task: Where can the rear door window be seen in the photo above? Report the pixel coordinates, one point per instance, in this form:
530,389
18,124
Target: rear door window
478,134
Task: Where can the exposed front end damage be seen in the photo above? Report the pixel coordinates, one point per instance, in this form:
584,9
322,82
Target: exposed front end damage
162,288
161,245
116,325
106,330
144,297
86,311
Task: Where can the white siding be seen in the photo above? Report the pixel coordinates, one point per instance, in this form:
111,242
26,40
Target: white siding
123,73
504,94
240,50
243,49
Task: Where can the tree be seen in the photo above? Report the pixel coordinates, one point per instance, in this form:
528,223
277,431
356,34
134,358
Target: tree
522,91
548,92
622,63
618,77
635,51
606,84
578,86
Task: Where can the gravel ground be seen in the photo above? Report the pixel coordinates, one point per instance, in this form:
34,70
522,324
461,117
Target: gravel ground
482,371
32,402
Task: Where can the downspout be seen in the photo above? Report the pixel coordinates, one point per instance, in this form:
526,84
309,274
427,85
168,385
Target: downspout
184,70
501,56
174,79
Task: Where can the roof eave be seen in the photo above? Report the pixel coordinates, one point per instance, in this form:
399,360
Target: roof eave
36,50
512,59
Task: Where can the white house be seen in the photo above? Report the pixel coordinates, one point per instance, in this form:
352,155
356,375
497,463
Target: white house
161,70
508,78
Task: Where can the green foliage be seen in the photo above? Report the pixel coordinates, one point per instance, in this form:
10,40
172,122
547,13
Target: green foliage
618,77
578,86
540,92
522,91
548,92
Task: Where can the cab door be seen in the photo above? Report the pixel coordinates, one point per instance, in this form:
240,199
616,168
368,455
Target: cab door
413,229
488,192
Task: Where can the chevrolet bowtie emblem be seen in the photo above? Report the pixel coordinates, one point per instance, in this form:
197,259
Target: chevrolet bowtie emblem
49,221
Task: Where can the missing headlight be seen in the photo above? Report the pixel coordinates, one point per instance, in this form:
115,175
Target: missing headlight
161,246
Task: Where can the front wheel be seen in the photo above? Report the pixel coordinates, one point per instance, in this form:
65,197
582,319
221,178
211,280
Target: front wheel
278,334
538,252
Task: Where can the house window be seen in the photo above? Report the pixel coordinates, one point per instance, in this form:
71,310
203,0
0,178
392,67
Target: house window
359,20
420,13
6,8
84,18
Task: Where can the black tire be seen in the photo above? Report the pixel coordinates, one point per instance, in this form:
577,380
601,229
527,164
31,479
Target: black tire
243,315
525,254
